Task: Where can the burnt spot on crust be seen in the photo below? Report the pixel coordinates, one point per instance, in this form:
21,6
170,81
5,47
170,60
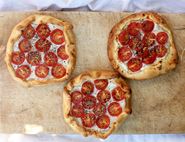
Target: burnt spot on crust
128,111
130,91
73,52
175,61
111,34
98,74
160,67
143,15
71,83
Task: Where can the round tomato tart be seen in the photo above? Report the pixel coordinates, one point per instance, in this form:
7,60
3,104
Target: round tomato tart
141,46
95,102
40,50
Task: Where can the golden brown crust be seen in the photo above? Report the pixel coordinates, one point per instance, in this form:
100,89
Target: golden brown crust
70,46
162,66
94,75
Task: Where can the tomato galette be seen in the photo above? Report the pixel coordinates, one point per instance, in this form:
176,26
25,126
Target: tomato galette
40,50
95,102
141,46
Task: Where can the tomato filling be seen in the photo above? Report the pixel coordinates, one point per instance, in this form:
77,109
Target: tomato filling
140,45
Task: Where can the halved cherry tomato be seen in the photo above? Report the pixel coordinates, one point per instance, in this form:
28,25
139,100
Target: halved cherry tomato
143,52
118,94
88,119
162,37
50,58
99,109
123,37
24,45
58,71
42,71
147,26
62,53
43,45
28,32
101,84
23,72
161,50
77,111
114,109
18,57
87,88
134,43
76,97
57,36
33,58
133,28
150,58
103,122
89,102
124,54
103,96
43,31
149,39
134,64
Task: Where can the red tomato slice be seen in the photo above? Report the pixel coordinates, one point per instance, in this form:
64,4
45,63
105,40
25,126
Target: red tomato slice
87,88
124,54
150,58
77,111
103,96
58,71
99,109
134,64
62,53
162,37
18,57
114,109
50,58
149,39
133,28
101,84
43,45
161,50
103,122
143,52
41,71
123,37
88,120
76,97
28,32
134,43
57,36
24,45
23,72
89,102
118,94
33,58
147,26
43,31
